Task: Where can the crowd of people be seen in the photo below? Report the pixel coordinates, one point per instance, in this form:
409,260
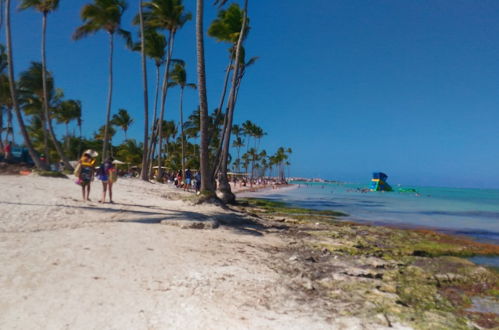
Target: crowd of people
187,182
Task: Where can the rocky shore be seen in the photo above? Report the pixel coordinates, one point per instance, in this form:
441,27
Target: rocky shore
417,278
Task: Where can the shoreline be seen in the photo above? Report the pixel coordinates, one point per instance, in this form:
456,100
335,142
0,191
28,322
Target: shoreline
256,265
262,190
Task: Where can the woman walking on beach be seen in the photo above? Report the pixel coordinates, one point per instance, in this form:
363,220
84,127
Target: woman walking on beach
85,172
107,174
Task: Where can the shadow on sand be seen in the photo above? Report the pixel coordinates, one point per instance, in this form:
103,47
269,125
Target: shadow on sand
239,222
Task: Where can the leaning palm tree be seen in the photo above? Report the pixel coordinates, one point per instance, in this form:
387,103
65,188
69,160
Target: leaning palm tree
230,26
123,120
167,15
13,90
179,78
104,15
45,7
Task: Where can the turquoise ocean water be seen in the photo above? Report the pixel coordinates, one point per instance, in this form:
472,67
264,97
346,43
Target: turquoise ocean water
469,212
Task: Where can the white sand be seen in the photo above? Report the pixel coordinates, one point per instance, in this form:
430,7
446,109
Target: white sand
66,264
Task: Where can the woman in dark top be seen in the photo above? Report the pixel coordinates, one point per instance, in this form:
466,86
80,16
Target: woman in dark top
107,174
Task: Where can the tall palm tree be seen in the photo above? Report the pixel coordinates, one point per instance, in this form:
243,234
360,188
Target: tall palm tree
13,91
45,7
207,186
168,15
155,48
179,78
123,120
224,186
143,174
104,15
226,28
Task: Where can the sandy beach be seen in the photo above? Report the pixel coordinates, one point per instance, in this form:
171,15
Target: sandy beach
154,260
73,265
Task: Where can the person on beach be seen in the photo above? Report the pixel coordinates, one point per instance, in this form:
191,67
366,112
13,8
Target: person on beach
179,179
198,182
188,177
8,150
107,174
86,172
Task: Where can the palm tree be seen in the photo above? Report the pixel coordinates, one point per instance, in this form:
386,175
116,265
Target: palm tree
168,15
123,120
143,174
179,78
13,91
104,133
104,15
226,28
238,143
67,111
207,187
154,46
230,26
169,132
32,96
45,7
281,160
130,151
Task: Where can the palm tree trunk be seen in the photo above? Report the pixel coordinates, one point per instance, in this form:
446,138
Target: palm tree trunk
45,99
224,186
10,125
152,145
109,97
67,137
222,101
206,179
143,174
164,92
43,119
13,92
182,129
216,162
1,112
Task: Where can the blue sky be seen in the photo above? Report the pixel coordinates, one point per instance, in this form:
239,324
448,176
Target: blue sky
410,88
